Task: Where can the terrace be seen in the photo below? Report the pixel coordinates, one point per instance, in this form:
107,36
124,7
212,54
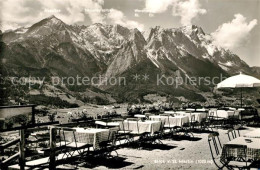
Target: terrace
160,139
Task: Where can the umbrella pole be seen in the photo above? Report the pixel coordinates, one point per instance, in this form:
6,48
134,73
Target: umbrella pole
241,97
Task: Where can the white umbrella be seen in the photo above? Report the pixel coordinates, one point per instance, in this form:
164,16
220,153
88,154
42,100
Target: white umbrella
239,81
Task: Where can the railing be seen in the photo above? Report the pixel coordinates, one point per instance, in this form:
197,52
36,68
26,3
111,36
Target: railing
19,155
53,127
53,133
11,158
8,144
21,147
29,126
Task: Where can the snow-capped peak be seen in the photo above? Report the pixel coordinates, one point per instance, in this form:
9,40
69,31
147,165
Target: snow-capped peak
190,29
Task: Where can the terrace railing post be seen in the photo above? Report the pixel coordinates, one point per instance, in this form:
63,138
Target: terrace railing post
33,114
53,133
21,150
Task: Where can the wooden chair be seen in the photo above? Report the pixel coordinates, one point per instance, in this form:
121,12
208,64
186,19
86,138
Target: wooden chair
233,133
142,135
193,122
122,133
167,123
215,147
206,123
214,117
137,133
157,136
108,146
69,144
188,127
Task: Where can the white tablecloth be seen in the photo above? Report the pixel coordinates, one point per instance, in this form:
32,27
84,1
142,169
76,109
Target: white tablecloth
171,121
141,127
180,112
223,113
169,112
106,123
139,116
88,136
201,110
199,116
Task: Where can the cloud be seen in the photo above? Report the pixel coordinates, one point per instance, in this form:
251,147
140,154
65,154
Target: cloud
185,9
157,6
16,13
27,12
235,33
117,17
94,11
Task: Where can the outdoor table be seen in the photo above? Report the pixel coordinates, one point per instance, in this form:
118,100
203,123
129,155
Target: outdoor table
232,108
142,127
224,113
201,110
253,147
89,136
171,121
41,134
169,112
253,134
241,113
106,124
139,116
190,109
176,112
241,109
199,116
181,112
237,113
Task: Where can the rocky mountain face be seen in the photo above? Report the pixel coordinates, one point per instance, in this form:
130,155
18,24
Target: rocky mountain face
256,70
53,48
176,43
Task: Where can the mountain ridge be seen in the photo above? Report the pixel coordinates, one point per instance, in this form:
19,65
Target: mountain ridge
51,47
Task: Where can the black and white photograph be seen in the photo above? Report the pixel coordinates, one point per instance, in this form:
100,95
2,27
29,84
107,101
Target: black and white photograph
129,84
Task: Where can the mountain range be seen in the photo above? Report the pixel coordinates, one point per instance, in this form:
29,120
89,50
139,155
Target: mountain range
53,48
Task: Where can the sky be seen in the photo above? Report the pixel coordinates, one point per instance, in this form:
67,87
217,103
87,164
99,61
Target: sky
234,24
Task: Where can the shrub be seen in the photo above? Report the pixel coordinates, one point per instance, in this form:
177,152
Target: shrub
20,119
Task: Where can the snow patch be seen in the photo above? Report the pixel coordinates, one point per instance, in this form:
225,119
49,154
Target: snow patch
206,56
152,58
210,48
229,63
223,67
